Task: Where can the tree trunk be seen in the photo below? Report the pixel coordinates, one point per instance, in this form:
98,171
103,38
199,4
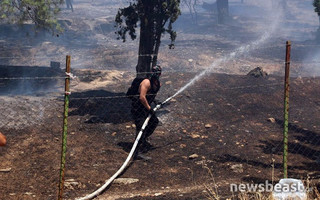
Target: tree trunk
159,25
318,31
223,10
146,42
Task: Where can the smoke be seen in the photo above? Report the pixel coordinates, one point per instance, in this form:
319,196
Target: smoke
241,51
89,35
310,63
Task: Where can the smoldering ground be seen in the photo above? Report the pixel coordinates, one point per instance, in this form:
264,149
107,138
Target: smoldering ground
237,113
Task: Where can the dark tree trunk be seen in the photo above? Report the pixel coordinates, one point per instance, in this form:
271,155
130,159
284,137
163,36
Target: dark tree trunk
223,10
153,20
318,31
156,50
153,16
159,25
146,41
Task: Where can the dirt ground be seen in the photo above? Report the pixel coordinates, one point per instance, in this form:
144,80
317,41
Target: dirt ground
239,145
225,128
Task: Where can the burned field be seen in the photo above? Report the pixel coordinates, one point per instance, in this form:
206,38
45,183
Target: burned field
224,129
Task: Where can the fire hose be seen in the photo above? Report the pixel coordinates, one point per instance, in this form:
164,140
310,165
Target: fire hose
239,51
124,165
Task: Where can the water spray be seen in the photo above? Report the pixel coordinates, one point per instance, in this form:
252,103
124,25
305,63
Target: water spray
239,51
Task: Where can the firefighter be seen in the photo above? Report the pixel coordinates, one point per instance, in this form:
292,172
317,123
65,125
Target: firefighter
144,93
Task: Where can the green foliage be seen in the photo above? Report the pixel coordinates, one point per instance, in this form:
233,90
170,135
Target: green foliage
40,12
127,19
160,13
316,4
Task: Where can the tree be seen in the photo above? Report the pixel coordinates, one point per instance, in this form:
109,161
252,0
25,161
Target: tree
316,4
40,12
155,18
223,10
191,4
221,7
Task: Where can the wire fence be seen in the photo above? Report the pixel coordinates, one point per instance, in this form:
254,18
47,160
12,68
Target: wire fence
229,125
226,128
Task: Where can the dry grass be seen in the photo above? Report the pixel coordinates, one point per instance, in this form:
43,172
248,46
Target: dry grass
254,196
212,191
313,194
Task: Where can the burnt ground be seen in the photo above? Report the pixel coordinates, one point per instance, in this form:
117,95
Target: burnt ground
232,122
240,146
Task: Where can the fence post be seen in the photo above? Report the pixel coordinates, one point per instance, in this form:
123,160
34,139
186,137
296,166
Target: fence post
65,127
286,110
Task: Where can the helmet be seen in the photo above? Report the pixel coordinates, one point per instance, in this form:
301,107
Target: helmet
156,71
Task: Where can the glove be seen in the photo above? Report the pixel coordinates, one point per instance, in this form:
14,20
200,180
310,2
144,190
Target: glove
151,111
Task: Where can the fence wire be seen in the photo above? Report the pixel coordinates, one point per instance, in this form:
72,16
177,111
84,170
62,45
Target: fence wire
224,129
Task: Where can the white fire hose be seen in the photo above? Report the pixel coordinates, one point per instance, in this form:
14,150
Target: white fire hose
124,165
239,51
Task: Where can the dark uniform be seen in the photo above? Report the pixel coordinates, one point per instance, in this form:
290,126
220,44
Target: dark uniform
140,113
